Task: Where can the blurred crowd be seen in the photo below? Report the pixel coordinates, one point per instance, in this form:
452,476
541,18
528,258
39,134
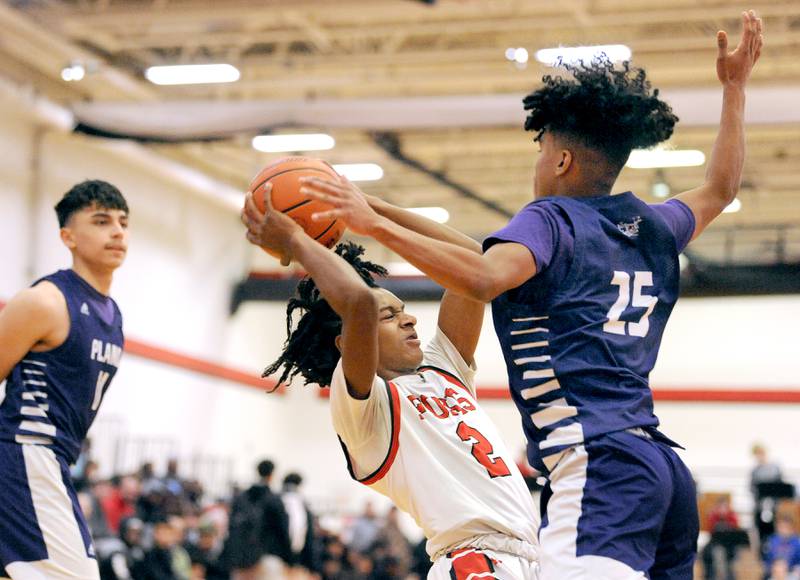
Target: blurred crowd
149,526
773,535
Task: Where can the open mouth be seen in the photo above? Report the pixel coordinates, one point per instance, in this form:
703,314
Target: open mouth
413,340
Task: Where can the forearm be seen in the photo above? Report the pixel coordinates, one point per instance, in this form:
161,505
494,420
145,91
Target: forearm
424,226
338,282
455,267
724,173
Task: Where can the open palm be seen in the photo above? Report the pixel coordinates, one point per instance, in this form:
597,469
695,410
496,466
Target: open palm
733,68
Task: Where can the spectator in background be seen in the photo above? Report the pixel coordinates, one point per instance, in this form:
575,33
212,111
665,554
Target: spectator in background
124,560
205,554
258,545
158,561
783,546
120,501
721,518
301,527
150,504
780,571
365,529
421,562
171,480
397,544
764,471
93,512
181,563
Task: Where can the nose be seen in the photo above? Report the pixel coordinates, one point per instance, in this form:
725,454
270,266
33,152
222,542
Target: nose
408,320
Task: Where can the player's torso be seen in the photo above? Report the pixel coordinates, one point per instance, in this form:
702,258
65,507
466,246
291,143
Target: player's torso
452,471
579,349
52,397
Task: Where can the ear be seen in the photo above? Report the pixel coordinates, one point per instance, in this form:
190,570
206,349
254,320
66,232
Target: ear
565,163
67,238
338,342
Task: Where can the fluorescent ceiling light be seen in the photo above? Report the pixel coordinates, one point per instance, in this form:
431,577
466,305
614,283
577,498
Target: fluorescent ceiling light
192,74
402,269
283,143
650,158
73,72
360,171
574,54
733,206
518,55
437,214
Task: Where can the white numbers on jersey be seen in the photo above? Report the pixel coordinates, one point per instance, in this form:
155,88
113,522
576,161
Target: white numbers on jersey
637,300
102,380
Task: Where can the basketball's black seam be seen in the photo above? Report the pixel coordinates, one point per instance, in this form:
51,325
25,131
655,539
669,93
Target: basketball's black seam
326,230
288,209
287,171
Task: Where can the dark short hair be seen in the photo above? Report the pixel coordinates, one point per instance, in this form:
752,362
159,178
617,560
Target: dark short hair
605,108
292,479
265,468
88,193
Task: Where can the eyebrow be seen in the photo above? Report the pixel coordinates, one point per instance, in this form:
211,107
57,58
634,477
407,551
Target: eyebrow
393,308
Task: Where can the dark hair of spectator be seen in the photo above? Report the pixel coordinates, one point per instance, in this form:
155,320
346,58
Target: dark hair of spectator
292,480
265,468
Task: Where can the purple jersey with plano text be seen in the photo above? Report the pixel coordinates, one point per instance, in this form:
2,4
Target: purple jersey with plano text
581,337
52,397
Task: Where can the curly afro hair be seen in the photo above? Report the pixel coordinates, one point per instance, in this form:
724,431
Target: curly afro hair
310,347
604,108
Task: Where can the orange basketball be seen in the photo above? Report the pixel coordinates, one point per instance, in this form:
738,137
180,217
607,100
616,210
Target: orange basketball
285,174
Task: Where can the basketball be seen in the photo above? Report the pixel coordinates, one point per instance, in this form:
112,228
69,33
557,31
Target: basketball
284,175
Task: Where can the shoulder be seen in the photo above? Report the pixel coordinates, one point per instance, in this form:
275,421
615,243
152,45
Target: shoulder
42,300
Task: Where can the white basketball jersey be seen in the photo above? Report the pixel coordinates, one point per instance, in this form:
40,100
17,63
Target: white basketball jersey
446,464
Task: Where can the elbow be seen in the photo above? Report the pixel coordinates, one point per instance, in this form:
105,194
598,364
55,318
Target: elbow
484,288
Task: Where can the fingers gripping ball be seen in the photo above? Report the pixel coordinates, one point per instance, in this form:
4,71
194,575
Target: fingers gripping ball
285,174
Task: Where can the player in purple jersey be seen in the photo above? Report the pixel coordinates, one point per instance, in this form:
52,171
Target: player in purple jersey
60,345
582,284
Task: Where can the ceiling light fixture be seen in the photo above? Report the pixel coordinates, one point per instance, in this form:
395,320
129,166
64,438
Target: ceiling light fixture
651,158
574,54
192,74
73,73
300,142
437,214
360,171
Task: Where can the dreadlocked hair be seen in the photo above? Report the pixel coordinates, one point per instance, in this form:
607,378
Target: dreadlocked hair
604,108
310,348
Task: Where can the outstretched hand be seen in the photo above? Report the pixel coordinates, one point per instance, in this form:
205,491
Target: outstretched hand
733,68
348,202
270,230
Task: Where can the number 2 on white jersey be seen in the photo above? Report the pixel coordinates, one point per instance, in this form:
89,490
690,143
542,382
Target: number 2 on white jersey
638,300
482,450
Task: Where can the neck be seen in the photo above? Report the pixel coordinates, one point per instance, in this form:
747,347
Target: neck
391,374
99,279
592,189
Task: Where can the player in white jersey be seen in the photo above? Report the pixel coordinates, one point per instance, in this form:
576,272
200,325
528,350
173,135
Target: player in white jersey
408,421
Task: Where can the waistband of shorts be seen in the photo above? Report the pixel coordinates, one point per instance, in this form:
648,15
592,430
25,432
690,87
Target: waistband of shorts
495,542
